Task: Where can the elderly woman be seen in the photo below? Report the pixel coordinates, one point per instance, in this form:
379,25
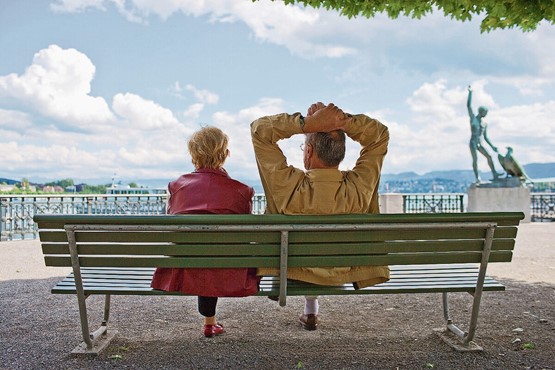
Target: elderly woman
208,189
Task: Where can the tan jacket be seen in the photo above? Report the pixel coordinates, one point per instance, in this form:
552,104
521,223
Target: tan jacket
290,190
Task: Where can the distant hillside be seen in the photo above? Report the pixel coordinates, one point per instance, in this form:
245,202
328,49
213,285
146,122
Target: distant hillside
8,181
447,180
540,170
534,170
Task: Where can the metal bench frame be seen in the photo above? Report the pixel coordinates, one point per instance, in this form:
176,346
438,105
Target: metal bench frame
90,340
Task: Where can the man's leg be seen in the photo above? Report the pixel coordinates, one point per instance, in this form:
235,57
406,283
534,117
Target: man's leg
309,319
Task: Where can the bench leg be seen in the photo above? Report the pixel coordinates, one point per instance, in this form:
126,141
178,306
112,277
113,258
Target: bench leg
94,343
466,338
461,341
97,341
452,327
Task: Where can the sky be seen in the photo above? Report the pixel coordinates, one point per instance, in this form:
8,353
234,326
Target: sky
100,89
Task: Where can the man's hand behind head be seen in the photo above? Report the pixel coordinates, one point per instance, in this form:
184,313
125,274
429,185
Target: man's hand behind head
323,118
314,107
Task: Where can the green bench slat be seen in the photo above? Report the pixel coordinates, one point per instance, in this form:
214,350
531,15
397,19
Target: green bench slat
269,284
219,237
166,249
269,249
293,261
106,283
58,221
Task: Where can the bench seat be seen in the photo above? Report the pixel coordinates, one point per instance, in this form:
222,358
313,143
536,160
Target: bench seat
404,279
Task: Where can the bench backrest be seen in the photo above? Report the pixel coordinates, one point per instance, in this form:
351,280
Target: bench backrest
277,240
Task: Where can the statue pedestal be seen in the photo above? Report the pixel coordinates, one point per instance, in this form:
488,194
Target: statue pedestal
391,203
499,199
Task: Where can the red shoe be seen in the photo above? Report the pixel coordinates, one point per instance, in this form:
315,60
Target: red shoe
212,330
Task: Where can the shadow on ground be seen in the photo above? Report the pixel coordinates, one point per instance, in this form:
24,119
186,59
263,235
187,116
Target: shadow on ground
516,328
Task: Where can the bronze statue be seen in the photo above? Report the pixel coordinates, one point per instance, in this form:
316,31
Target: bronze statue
511,165
478,129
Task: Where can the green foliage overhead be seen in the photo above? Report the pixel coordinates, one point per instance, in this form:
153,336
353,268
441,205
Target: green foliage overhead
497,14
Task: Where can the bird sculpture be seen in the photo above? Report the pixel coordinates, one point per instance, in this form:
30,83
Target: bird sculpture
511,165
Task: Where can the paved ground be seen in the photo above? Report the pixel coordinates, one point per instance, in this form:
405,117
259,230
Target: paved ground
516,327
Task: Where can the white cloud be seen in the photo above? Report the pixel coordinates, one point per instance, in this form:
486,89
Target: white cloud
527,85
14,120
145,137
203,96
437,136
236,125
142,114
76,6
54,161
58,84
193,111
298,29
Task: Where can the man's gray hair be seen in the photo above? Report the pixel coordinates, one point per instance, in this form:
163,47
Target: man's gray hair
328,146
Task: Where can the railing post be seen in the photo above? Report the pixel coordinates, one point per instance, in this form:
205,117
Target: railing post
3,218
89,205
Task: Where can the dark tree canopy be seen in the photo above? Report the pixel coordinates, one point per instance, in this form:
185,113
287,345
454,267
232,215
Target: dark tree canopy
497,14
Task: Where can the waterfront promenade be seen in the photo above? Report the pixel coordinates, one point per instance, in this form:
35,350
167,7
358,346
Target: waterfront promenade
38,330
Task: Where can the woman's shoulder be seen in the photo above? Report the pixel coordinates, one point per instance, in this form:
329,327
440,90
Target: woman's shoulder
242,186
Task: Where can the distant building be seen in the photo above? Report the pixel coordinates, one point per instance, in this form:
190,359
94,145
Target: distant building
125,190
6,188
53,189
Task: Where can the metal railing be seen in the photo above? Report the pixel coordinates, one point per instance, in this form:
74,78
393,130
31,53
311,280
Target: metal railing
17,211
542,207
433,203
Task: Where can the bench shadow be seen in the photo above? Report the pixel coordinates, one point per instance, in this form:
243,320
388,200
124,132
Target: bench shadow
39,330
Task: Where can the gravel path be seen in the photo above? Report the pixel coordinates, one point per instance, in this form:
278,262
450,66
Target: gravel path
38,330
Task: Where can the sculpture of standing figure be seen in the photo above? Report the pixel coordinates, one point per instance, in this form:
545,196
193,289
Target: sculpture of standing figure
478,130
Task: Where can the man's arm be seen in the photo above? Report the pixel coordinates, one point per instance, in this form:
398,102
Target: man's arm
487,139
469,103
278,178
373,136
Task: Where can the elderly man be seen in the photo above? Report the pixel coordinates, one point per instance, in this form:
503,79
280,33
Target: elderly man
322,188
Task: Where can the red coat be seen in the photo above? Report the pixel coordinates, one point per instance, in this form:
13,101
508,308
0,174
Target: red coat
208,191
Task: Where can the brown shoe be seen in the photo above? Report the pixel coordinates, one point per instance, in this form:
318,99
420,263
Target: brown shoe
309,322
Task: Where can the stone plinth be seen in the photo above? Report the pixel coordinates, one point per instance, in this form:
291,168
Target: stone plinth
391,203
499,199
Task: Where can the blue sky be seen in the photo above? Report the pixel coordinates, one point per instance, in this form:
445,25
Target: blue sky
93,88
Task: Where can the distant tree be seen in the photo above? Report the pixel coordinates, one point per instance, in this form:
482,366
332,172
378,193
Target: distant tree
65,183
62,183
523,14
94,189
24,183
133,185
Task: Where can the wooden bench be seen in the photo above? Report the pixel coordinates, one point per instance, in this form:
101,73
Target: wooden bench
427,253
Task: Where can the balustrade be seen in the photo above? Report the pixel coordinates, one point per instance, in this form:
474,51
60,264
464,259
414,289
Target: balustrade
17,211
542,207
433,203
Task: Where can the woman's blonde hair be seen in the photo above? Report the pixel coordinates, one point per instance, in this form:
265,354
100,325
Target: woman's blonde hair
208,148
